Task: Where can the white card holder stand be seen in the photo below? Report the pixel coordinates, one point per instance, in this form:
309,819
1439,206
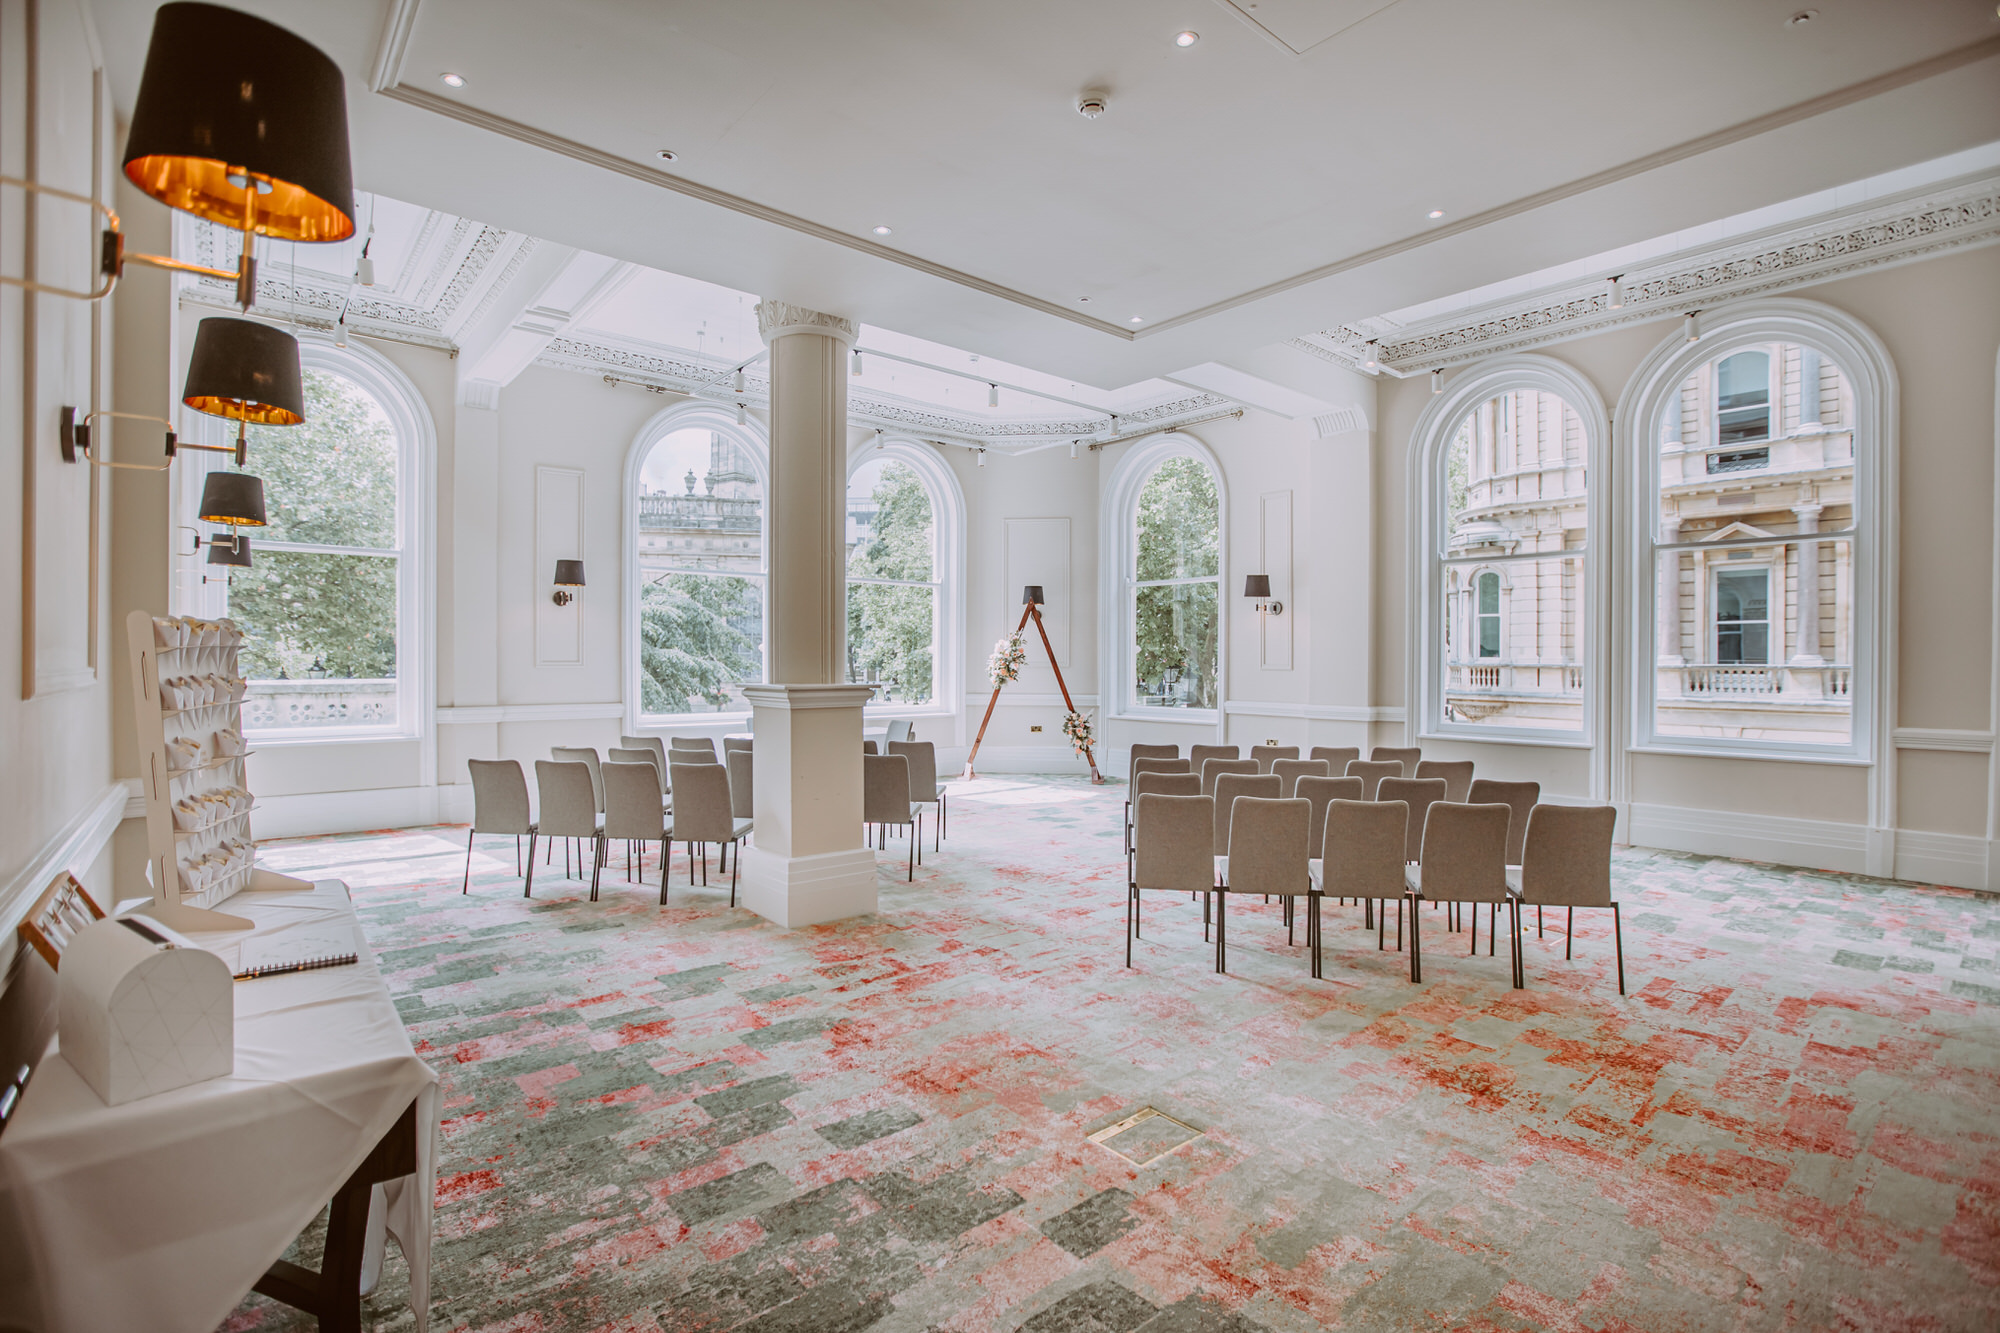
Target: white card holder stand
187,700
140,1010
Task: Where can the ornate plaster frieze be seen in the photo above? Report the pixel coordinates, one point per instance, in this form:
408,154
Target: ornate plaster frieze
1891,233
775,319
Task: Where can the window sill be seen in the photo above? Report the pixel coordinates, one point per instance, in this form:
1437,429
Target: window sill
272,740
1776,756
1207,717
1555,741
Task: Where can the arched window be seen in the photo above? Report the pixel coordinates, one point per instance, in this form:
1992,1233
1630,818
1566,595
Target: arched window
1755,519
698,550
1173,577
331,605
1503,469
893,584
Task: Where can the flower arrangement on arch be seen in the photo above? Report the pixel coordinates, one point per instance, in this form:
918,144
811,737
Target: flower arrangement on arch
1009,656
1076,726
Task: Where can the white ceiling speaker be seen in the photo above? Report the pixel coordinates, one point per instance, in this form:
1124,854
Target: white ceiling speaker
1090,105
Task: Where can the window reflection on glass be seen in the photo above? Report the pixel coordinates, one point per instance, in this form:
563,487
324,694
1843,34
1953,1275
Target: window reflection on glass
1176,608
1743,398
892,595
1489,615
1743,615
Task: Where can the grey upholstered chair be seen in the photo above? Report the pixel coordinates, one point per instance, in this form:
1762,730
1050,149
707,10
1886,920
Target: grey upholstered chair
1464,861
632,812
868,747
742,784
1457,775
569,810
693,744
1211,769
1420,794
1362,857
885,800
1164,783
1319,792
1267,855
1409,757
1567,863
1519,798
1266,755
1289,771
640,754
731,744
659,749
1172,834
1144,751
1371,772
1149,763
1336,756
1201,754
1227,788
587,756
499,805
925,789
901,731
702,814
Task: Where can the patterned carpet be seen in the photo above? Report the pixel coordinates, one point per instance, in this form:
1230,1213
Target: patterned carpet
684,1118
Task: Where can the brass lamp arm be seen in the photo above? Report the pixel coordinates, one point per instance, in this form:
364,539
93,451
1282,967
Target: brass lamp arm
113,256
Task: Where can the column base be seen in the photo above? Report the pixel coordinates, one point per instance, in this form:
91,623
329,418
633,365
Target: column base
797,891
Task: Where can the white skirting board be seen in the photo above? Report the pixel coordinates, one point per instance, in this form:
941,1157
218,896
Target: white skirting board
1958,860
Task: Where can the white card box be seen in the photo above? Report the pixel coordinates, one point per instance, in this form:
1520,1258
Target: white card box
137,1016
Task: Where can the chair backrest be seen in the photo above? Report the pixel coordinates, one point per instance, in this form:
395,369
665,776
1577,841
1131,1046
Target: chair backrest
587,756
923,767
731,744
1289,771
1408,757
742,777
1457,775
569,802
632,800
1266,755
1465,853
900,729
701,804
659,749
1267,845
499,796
1229,786
1567,859
1371,772
1318,792
1201,754
1339,756
1141,767
868,747
1165,784
631,754
1170,840
1520,797
885,789
1363,855
1420,794
701,743
1140,752
1212,769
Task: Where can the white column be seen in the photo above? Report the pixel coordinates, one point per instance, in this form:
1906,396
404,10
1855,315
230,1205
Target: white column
1807,643
1669,575
809,863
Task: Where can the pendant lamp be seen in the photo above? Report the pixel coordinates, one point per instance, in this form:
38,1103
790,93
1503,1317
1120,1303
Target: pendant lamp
235,499
247,372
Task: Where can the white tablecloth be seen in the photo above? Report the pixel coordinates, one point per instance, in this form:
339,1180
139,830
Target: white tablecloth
161,1213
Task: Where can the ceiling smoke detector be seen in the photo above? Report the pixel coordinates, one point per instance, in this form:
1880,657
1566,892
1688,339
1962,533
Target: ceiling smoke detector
1090,105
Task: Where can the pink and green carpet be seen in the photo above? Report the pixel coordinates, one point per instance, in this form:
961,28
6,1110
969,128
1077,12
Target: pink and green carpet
683,1118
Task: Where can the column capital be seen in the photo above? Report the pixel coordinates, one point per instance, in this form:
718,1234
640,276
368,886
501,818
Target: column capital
775,319
796,697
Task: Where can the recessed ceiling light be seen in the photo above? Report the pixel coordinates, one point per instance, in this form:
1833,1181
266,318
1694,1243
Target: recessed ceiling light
1436,213
453,80
1803,17
1083,300
882,231
1186,38
1138,319
667,155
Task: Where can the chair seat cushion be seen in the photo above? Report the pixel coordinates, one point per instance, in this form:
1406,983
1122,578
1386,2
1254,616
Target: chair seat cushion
1514,878
1315,869
1413,878
741,827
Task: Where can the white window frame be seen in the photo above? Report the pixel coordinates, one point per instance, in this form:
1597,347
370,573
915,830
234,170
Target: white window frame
1774,635
1437,426
1118,563
947,569
1871,379
416,592
1774,401
756,447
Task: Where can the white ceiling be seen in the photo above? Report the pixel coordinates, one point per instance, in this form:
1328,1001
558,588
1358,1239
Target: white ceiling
1235,194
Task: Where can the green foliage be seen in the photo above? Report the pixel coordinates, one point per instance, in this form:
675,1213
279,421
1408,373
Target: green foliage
1176,626
331,481
1178,516
690,643
891,628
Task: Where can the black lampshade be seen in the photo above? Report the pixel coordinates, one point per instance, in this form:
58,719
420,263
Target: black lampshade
1032,595
235,498
221,552
1256,585
226,92
569,573
245,371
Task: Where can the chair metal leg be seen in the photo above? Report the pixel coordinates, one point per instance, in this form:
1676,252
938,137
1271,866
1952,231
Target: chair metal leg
528,889
1312,928
596,863
1204,918
1538,920
1381,924
1131,927
1569,936
1474,951
1514,945
1493,935
466,887
517,853
1416,946
1399,918
916,836
1221,941
735,869
1618,934
666,855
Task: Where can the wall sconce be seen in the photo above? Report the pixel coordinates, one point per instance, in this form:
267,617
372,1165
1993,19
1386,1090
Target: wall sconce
237,121
1259,587
233,499
569,574
233,550
245,372
1032,595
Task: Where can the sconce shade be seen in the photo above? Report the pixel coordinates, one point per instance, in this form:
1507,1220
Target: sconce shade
226,92
1256,585
1032,595
222,553
235,498
569,573
245,371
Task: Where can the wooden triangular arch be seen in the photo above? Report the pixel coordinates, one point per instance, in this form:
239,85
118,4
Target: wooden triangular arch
1032,611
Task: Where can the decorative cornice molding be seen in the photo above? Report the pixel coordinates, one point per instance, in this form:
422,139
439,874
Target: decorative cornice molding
1886,233
775,319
